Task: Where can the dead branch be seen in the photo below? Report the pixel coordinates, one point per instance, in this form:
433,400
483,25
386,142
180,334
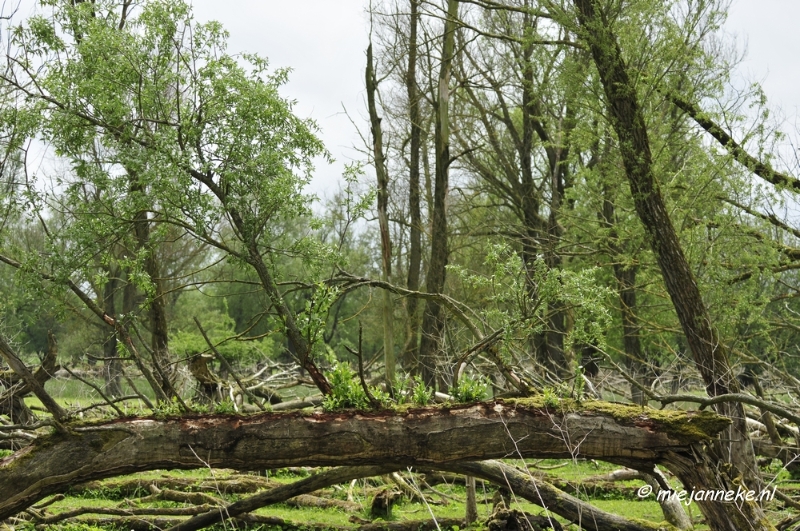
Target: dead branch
282,493
227,365
545,495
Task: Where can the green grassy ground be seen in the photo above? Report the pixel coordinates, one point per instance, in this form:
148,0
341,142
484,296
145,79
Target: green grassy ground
107,497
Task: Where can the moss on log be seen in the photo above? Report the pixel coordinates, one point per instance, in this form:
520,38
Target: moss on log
418,436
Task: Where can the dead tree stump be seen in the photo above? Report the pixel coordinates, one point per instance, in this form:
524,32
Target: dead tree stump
382,503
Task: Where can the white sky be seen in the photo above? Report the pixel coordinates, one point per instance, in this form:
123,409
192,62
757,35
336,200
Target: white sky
768,28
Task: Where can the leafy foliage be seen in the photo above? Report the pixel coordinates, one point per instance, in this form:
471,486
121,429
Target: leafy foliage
347,390
469,389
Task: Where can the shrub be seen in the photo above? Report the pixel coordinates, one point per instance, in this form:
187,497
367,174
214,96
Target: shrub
469,389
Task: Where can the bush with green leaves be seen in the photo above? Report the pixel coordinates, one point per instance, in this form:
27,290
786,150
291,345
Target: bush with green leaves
168,409
469,389
550,397
225,407
346,390
411,390
422,394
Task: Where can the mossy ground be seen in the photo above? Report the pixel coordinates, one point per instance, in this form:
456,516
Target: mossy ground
648,509
569,471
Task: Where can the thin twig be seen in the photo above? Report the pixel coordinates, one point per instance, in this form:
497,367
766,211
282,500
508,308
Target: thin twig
372,400
96,388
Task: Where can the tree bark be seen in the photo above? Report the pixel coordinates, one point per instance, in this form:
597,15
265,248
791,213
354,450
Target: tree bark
626,287
432,319
415,215
709,354
558,358
112,367
471,513
628,435
547,496
156,310
31,382
383,220
672,508
12,400
282,493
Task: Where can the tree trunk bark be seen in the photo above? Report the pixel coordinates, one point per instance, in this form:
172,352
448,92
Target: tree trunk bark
709,354
112,367
383,221
471,515
156,311
32,383
671,506
432,319
626,288
628,435
547,496
282,493
12,400
415,215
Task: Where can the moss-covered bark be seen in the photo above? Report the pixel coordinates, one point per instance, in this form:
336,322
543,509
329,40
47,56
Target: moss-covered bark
627,435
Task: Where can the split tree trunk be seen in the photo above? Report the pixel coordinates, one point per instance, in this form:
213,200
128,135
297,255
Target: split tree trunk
383,220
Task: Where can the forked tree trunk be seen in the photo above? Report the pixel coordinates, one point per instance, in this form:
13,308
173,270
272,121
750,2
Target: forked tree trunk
432,319
383,220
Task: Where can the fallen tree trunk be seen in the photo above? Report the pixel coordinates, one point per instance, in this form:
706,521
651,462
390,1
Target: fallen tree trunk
131,487
631,436
308,500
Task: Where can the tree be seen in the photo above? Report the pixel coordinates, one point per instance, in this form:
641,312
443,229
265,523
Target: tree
432,318
175,136
386,438
709,354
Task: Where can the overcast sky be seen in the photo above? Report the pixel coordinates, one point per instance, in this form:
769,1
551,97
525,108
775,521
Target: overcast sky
324,43
769,29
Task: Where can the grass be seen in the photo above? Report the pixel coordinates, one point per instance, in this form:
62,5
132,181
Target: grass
647,509
637,509
71,393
